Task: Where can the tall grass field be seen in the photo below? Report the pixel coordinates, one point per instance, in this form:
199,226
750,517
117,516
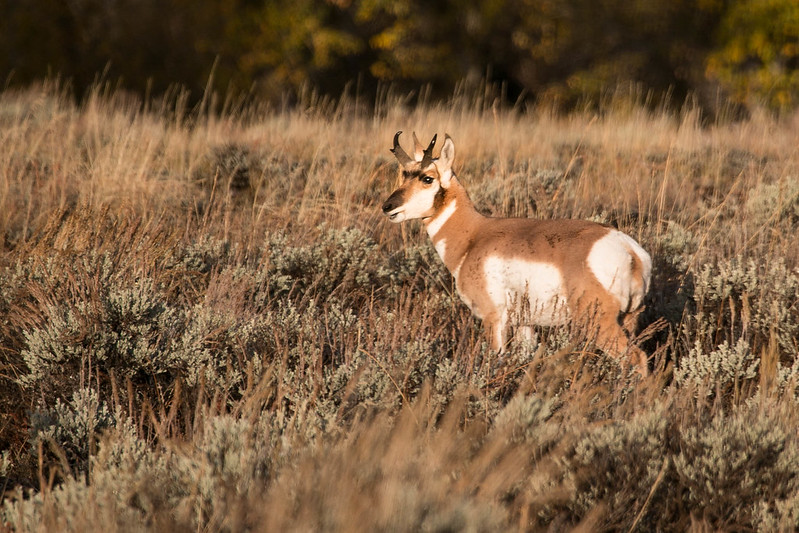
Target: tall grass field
206,324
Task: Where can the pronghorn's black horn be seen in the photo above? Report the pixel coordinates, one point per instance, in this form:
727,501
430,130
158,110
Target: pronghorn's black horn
428,153
399,153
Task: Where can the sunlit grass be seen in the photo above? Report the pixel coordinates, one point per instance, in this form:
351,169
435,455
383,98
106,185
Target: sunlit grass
206,323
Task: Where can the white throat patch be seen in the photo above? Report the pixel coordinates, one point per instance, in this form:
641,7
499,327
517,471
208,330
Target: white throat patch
435,224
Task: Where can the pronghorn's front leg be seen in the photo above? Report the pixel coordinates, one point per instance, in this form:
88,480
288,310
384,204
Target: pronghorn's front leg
496,326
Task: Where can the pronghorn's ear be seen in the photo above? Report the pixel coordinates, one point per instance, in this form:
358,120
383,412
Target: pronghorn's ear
445,160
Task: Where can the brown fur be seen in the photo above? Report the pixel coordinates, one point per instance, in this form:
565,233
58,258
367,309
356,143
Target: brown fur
467,239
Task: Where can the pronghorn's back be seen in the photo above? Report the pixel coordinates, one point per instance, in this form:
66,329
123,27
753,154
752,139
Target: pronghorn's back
579,248
553,270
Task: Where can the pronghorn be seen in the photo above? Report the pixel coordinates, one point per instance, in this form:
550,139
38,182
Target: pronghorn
562,269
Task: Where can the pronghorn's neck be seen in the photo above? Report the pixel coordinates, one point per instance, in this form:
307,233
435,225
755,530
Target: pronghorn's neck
453,224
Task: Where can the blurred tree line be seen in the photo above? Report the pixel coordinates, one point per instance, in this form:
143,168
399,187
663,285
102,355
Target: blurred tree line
566,51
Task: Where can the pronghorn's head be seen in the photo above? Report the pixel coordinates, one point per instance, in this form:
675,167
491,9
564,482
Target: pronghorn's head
424,180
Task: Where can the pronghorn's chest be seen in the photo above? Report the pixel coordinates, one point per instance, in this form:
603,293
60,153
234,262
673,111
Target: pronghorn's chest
497,283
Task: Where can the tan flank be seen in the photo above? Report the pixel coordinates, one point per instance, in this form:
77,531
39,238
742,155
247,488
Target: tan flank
544,272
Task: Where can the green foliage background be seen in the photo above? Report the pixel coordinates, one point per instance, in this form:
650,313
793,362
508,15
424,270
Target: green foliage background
568,51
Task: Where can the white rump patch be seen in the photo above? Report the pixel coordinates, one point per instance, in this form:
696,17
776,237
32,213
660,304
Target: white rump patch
610,260
514,282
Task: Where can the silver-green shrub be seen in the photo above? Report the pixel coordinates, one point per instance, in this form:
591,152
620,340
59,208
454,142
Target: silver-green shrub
677,245
721,370
617,465
131,482
524,188
128,483
743,299
71,427
203,256
5,463
524,419
770,203
736,464
103,319
210,348
781,514
232,457
340,260
787,379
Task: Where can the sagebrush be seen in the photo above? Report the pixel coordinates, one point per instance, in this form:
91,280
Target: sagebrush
205,323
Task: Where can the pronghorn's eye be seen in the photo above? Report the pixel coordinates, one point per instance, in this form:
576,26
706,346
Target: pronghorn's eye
427,180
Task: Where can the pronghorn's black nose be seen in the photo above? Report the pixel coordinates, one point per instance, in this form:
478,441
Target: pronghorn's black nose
394,201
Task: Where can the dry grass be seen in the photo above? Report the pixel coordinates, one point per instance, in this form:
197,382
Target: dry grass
205,324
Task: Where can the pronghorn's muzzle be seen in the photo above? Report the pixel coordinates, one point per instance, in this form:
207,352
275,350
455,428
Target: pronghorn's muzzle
391,208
